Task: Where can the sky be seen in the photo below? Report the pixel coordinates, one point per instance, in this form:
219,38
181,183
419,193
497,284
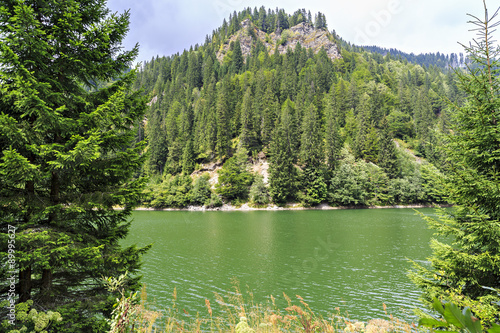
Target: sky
165,27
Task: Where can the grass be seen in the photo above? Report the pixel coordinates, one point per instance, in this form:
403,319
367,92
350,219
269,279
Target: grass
239,314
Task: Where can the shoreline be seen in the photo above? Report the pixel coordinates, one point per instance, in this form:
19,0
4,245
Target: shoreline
291,206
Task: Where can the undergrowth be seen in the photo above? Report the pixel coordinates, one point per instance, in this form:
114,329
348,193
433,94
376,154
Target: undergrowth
239,314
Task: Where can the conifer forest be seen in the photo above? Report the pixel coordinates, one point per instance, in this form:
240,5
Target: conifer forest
273,111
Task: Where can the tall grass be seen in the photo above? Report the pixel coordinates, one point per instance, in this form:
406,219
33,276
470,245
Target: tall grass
235,313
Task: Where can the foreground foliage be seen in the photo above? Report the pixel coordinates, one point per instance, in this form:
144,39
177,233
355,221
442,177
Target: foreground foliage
466,269
69,156
454,318
238,313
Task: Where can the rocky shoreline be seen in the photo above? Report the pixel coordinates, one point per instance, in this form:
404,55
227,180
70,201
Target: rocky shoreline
270,207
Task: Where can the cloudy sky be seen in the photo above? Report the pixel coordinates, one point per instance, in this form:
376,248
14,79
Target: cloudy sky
165,27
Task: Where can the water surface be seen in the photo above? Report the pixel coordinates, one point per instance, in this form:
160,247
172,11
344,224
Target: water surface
352,259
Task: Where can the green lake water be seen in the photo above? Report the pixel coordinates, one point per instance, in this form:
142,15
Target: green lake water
352,259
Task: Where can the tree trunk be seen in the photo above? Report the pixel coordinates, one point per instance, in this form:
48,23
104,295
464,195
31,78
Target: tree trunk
46,285
24,289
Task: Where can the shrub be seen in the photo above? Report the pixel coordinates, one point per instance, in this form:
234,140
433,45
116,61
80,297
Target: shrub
234,180
200,192
28,319
214,201
258,191
172,192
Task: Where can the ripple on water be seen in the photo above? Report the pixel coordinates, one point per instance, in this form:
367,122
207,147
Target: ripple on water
355,260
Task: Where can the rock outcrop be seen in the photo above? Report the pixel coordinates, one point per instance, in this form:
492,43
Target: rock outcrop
302,33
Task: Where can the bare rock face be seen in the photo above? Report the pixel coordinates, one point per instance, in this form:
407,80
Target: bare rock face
302,33
303,28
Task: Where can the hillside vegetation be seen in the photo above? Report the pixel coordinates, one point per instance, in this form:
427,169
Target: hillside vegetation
319,123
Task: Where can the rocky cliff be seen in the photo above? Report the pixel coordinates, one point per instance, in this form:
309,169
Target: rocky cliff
302,33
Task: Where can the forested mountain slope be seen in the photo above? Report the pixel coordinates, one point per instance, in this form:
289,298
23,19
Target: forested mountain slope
336,125
440,60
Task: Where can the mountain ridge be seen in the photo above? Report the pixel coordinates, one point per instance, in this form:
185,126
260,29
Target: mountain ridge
304,33
326,128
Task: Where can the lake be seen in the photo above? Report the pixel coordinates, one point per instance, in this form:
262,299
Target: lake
355,260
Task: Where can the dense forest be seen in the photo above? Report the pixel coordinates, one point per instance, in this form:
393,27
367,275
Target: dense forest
441,60
242,118
357,130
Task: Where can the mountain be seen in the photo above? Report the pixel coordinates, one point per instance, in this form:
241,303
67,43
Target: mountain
274,108
440,60
303,33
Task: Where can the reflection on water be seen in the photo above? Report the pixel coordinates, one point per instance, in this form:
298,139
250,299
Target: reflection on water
352,259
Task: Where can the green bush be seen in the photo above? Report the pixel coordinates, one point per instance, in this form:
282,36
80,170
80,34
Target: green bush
407,190
172,192
349,185
200,192
234,180
258,191
314,187
214,201
28,319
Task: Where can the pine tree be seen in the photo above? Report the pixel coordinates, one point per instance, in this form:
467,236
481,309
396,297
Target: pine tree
423,115
363,121
333,140
237,57
222,112
282,173
269,114
173,139
258,191
188,158
387,157
319,21
311,153
208,70
194,74
248,136
157,147
371,146
341,101
234,181
68,156
289,77
465,269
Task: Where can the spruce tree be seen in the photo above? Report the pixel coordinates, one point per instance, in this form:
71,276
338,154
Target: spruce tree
234,180
222,116
311,153
269,114
258,191
248,136
237,57
289,77
68,157
371,152
422,115
194,72
157,147
363,127
387,158
341,101
333,141
188,158
465,269
282,173
312,157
